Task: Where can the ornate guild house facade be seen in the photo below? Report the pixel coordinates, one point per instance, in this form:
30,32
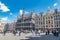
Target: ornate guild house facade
48,21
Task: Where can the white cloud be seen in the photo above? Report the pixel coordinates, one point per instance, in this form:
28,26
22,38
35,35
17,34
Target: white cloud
26,12
3,7
5,18
21,11
11,13
55,4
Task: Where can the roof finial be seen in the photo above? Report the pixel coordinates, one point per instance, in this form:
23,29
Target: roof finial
48,8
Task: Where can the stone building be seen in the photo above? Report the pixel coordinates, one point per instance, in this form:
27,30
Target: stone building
56,19
49,21
1,25
52,20
26,21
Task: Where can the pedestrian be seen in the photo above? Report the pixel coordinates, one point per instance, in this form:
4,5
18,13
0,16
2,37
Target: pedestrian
32,31
54,32
57,33
36,32
19,33
39,32
48,31
14,33
4,33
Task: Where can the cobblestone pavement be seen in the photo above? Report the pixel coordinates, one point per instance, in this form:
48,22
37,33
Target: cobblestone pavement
28,36
45,37
10,36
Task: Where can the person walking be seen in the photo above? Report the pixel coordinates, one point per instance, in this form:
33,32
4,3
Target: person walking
54,32
4,33
48,31
36,32
39,32
57,33
19,33
14,33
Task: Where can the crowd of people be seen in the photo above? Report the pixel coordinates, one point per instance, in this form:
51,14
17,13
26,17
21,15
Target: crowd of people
54,32
36,32
14,32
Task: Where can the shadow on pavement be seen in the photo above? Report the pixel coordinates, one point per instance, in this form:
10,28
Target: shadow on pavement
43,37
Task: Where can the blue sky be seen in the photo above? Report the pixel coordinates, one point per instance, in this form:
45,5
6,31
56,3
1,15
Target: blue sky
10,8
